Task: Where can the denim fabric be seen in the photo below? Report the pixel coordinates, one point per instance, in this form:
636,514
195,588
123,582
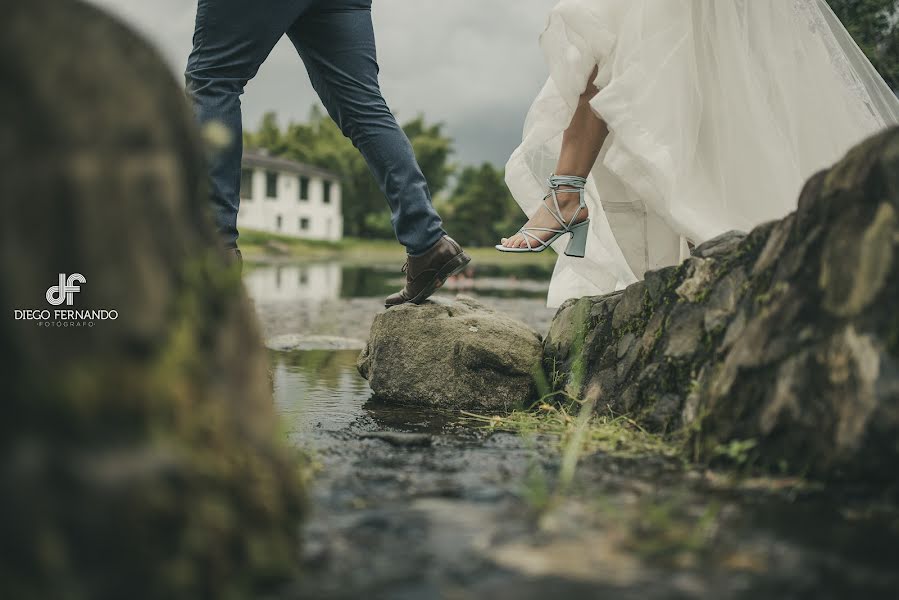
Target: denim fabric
336,41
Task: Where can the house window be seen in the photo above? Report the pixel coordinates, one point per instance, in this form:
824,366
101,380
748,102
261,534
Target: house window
304,224
304,188
271,185
327,196
279,222
246,184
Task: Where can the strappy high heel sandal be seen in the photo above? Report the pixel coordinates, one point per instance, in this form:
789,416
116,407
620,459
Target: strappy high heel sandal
577,245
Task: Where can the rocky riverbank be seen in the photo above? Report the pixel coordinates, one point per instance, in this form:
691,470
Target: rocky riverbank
740,441
785,340
780,345
471,510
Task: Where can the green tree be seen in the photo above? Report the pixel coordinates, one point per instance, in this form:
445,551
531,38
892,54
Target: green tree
268,135
480,208
433,150
320,142
875,26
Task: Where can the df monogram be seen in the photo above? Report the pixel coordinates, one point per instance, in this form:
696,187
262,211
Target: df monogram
66,290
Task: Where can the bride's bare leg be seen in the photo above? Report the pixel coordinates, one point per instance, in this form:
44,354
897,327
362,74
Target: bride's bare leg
581,144
583,139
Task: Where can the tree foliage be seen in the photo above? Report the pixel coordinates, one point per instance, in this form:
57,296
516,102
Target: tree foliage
320,142
875,26
481,209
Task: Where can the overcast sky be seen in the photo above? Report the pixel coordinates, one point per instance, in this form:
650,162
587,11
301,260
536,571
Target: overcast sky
472,64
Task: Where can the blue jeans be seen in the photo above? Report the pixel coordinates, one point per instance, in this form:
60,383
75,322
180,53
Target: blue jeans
336,41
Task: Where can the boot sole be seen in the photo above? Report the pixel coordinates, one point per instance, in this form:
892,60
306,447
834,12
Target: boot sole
452,267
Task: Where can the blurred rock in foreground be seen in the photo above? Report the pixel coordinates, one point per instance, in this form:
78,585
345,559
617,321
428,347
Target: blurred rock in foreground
138,456
452,356
781,346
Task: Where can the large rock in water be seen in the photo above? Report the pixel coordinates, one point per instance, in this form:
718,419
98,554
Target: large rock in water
785,339
138,457
452,356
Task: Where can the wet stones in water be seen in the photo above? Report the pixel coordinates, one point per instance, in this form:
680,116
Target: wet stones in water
785,340
452,356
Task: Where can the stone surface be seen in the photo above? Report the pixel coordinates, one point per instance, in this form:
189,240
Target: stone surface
722,244
452,356
787,337
138,457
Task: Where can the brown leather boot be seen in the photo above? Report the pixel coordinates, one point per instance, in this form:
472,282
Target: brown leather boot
426,273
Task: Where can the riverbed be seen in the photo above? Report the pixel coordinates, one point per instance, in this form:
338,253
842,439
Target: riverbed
416,504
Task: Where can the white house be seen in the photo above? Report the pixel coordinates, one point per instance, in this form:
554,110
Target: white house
289,198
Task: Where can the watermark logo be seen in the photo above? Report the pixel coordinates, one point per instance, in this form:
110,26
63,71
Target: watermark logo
66,290
64,293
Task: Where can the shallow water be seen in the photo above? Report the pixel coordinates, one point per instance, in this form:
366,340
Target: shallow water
331,299
318,390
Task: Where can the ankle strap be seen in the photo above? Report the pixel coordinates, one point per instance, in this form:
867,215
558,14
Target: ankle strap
570,180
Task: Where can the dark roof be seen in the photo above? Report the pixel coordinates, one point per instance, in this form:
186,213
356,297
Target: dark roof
261,160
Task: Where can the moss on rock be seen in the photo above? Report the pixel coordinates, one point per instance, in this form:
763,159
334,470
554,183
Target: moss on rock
785,336
139,457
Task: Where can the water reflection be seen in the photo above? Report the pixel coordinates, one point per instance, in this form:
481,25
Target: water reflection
321,391
315,282
318,390
323,282
369,281
341,300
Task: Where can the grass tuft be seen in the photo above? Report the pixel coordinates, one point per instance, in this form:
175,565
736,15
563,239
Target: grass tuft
577,430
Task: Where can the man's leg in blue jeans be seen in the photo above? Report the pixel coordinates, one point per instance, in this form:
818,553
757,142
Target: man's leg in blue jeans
231,40
336,41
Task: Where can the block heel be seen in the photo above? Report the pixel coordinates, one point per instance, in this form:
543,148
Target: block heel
577,245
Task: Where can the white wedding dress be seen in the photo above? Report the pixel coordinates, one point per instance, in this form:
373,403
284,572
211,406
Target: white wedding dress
719,110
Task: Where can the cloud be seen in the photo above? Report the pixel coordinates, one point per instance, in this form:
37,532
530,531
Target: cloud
472,64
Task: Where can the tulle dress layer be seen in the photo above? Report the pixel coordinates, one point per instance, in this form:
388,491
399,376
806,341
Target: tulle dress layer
718,111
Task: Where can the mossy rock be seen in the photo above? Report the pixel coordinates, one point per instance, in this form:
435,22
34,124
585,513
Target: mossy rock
452,356
139,457
783,340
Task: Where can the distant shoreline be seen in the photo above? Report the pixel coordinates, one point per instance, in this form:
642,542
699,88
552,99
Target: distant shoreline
258,246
